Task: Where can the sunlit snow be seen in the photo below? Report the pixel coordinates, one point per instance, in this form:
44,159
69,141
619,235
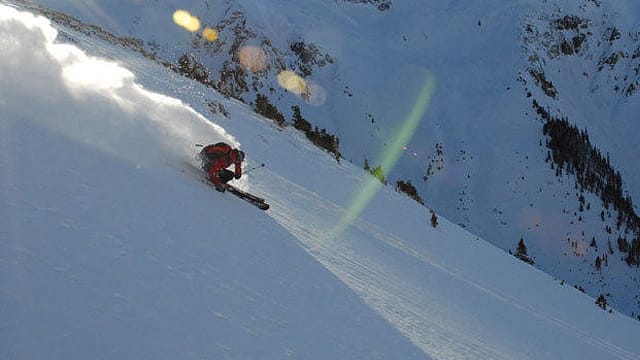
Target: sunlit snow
111,246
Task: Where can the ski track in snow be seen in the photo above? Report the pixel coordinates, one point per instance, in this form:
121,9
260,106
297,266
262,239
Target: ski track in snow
396,299
403,302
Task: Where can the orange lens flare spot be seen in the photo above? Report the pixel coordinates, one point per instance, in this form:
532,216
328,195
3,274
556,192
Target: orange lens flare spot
253,58
210,34
292,82
530,219
186,20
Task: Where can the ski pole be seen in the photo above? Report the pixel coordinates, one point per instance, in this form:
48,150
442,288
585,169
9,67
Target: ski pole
254,168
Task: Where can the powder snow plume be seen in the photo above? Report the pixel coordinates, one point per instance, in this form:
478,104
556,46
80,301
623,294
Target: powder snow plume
165,134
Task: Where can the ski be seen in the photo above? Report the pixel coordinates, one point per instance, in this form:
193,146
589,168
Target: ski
250,198
254,200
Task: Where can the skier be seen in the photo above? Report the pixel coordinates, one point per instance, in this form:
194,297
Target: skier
216,158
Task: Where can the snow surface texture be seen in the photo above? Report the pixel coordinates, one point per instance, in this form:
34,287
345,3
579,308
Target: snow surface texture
479,145
111,248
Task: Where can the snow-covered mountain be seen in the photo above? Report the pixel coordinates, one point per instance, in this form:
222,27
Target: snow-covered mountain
364,66
111,247
449,97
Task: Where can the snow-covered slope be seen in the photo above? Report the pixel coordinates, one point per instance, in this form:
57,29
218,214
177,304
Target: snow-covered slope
477,154
110,251
110,247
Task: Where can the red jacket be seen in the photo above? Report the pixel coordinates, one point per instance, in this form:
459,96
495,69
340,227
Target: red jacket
218,157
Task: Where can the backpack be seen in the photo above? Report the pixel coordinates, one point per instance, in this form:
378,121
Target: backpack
214,152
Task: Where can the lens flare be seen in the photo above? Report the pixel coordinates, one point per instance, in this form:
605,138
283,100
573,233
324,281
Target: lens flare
253,58
292,82
316,94
210,34
186,20
529,218
392,153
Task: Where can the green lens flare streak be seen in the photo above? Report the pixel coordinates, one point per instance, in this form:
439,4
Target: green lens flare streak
390,157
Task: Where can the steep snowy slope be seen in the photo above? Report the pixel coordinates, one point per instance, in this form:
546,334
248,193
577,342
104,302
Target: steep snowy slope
108,250
478,153
112,249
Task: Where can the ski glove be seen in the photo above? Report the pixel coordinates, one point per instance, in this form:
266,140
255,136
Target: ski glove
221,188
237,176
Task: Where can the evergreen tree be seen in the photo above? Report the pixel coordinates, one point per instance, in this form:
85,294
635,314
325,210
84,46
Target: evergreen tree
434,219
522,248
409,189
521,252
266,109
602,302
299,122
190,67
319,137
572,152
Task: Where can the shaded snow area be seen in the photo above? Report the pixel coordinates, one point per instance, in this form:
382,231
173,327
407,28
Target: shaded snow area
111,248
